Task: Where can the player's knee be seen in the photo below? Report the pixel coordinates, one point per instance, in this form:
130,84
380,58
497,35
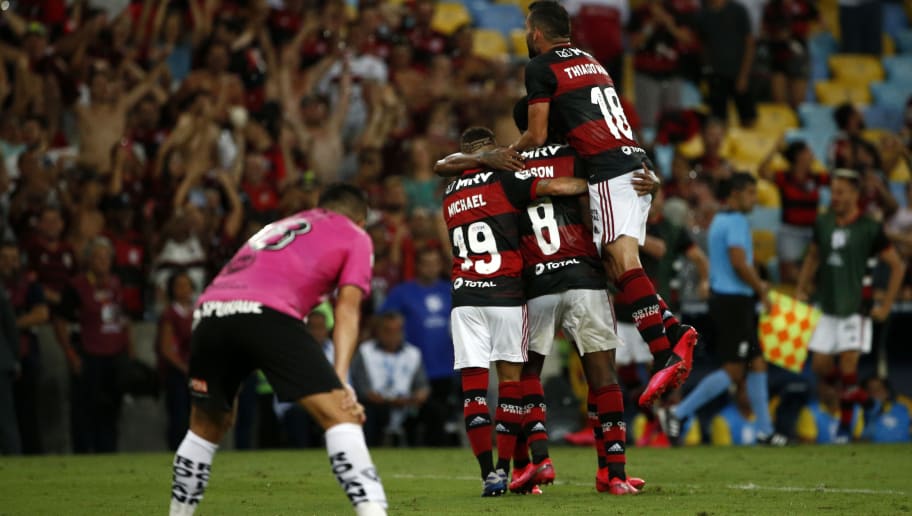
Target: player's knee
211,425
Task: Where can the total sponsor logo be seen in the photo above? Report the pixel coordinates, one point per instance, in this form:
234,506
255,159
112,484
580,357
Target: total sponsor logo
541,268
629,149
460,282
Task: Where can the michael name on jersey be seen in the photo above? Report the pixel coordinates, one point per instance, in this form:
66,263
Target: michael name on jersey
461,205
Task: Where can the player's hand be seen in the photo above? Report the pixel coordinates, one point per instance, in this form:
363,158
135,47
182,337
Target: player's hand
765,299
350,404
503,158
645,182
74,361
880,313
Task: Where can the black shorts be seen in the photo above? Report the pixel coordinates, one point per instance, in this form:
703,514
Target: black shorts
735,319
225,349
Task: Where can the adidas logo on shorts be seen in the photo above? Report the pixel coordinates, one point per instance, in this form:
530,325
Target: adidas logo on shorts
616,448
539,427
478,421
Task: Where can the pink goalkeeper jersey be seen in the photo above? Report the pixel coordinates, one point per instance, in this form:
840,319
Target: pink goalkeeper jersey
292,264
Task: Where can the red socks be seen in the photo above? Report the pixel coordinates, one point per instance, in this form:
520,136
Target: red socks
508,419
639,294
610,404
592,412
477,417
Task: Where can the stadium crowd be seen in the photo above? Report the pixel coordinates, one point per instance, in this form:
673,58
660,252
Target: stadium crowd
143,141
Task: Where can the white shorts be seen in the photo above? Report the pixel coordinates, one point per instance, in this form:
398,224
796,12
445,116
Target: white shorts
837,334
617,210
585,315
485,334
635,350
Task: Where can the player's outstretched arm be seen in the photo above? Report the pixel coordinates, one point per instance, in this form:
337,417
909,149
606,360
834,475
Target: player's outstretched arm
502,158
561,186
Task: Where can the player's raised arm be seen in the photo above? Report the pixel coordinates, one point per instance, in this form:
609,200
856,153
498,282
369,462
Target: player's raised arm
502,158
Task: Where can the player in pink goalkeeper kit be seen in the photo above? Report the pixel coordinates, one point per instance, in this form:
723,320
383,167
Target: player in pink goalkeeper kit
251,317
310,253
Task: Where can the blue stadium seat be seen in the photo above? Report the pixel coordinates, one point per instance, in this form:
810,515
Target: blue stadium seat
904,41
899,68
883,117
820,47
817,139
501,17
898,190
664,154
477,8
766,218
890,94
894,18
816,116
690,95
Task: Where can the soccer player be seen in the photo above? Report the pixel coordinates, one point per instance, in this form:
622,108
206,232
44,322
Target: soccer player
568,89
250,317
482,210
564,284
735,284
838,264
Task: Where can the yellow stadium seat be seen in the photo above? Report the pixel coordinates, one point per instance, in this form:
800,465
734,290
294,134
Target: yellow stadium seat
518,42
832,93
768,194
829,15
751,146
856,69
875,136
450,16
489,44
775,117
692,148
764,246
889,46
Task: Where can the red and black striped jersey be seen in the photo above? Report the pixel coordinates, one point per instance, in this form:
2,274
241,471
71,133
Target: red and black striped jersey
585,108
556,246
482,212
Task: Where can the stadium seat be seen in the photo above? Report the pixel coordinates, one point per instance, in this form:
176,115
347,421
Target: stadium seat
503,18
816,116
818,140
898,68
764,247
518,42
489,44
891,94
820,47
894,18
904,41
690,95
856,69
883,117
768,199
450,16
898,189
664,154
477,8
775,117
833,93
522,4
766,217
750,146
874,135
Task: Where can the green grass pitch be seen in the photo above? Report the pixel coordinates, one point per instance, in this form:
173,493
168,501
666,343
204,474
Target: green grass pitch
856,479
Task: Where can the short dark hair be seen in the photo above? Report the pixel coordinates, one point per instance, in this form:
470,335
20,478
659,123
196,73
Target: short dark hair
474,138
842,113
551,18
172,281
736,183
849,176
793,150
391,315
348,197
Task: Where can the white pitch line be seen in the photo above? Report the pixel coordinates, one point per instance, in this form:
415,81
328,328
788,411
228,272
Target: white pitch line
818,489
738,487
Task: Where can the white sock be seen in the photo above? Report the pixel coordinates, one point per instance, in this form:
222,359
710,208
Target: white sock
354,470
191,468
